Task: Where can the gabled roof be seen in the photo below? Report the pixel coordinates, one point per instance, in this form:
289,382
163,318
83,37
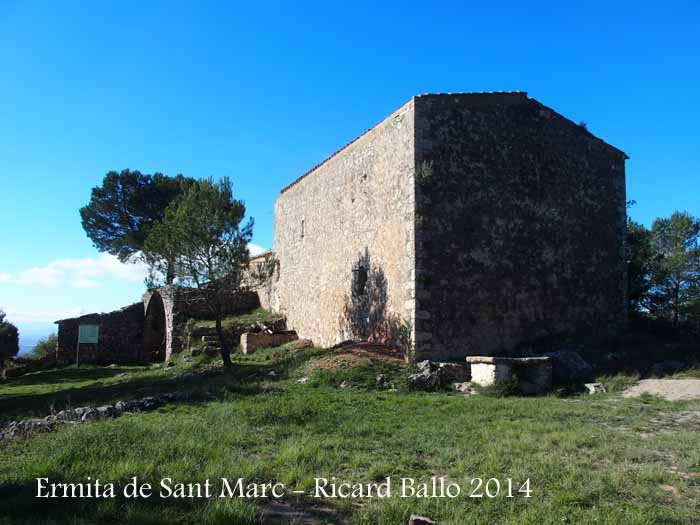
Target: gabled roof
484,95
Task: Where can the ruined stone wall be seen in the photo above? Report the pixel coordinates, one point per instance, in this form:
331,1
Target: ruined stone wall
353,212
120,338
266,289
520,226
181,304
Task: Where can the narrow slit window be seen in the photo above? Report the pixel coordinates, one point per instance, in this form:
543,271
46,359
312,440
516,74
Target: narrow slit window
302,228
359,281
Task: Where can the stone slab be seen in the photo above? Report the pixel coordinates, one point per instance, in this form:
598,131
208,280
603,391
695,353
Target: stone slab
251,341
486,374
510,361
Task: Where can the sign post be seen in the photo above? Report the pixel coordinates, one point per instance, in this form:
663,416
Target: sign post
87,333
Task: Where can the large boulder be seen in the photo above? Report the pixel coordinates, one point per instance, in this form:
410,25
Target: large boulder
666,368
568,367
433,375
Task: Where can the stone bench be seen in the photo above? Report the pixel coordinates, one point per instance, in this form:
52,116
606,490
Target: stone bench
534,374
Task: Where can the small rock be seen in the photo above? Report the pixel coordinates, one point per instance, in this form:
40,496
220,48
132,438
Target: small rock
596,388
569,367
271,373
345,384
89,415
302,381
106,411
299,344
80,411
434,375
148,403
465,388
382,381
415,519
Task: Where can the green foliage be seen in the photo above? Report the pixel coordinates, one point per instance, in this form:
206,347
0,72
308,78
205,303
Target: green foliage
232,322
676,266
124,209
9,339
591,459
363,375
640,257
45,346
664,268
618,382
202,235
203,232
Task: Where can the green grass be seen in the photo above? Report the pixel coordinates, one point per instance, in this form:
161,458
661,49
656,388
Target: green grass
619,382
235,321
362,376
590,459
692,373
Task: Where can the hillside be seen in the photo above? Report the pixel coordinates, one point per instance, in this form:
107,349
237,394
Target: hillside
278,418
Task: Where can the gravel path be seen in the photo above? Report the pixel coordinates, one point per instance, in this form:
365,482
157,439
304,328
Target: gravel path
671,389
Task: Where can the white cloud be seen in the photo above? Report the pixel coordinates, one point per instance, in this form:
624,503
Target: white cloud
85,283
20,316
88,272
255,249
46,276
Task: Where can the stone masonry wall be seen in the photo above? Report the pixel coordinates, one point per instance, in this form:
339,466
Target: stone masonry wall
348,225
520,227
181,304
120,337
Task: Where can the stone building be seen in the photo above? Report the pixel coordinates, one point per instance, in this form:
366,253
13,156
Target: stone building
148,331
476,222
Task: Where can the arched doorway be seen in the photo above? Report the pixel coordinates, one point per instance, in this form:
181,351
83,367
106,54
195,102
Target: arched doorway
154,332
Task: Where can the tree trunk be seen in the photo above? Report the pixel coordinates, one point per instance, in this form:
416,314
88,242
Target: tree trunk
169,273
223,345
676,305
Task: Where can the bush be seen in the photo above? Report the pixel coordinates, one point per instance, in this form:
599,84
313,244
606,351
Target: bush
9,340
45,346
619,382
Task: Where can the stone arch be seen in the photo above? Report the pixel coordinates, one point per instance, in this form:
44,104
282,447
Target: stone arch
155,329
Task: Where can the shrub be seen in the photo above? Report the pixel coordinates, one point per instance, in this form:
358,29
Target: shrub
45,346
9,340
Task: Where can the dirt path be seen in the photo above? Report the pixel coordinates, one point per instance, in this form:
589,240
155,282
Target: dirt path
670,389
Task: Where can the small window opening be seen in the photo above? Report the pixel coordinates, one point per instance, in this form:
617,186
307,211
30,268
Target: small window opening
359,281
302,228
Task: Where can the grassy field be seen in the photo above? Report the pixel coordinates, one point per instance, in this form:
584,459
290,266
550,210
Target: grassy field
589,459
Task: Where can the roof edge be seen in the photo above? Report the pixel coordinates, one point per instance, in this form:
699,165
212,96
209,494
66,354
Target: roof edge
483,94
343,148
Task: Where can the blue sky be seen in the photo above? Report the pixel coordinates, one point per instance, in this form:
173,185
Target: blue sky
262,91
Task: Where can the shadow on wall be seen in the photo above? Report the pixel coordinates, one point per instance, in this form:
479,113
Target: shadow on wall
365,315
